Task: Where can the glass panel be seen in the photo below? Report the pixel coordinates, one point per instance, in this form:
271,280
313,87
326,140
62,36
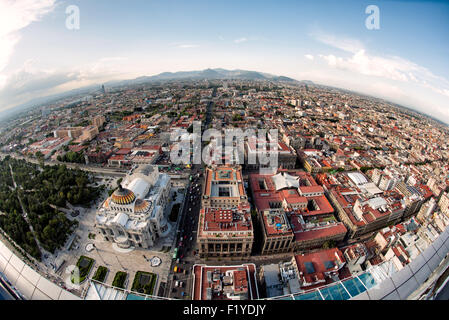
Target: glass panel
283,298
335,292
134,297
354,286
314,295
367,280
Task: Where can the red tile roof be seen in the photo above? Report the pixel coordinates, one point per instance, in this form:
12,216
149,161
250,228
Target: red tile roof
318,260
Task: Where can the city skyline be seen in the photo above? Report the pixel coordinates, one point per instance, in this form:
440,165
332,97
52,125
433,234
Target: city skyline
327,43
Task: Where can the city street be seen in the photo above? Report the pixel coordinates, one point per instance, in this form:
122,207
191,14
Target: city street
186,237
187,230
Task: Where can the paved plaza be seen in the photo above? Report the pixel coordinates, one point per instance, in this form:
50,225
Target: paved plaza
109,255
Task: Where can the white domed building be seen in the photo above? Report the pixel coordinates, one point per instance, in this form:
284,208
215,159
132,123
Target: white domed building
133,216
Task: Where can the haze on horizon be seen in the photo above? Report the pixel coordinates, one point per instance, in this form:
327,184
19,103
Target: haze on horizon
326,42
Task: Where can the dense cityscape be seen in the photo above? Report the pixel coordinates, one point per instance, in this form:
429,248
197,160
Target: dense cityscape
224,159
92,202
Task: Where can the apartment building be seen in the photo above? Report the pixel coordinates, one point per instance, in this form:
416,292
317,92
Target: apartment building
223,188
255,148
225,228
361,214
293,212
71,132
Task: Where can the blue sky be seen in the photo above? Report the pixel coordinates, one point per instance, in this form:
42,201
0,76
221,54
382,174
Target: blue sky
324,41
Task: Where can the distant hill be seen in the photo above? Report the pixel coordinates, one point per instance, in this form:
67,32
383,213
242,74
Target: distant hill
207,74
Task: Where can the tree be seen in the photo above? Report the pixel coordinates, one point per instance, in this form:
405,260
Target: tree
39,155
236,117
329,244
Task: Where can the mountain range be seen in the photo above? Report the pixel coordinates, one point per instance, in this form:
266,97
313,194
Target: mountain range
207,74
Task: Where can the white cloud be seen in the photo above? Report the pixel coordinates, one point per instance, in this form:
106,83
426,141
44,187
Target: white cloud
387,90
107,59
309,56
387,67
391,68
14,16
183,45
345,44
186,46
240,40
102,68
28,82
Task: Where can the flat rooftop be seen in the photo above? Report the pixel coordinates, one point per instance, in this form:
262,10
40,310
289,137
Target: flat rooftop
224,182
236,222
209,282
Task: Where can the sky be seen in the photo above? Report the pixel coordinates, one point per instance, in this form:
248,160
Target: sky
405,60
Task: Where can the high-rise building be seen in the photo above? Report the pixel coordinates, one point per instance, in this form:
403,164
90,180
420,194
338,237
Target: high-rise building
98,121
444,203
71,132
225,228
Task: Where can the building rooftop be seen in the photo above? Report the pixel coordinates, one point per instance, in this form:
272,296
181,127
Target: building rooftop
225,282
316,267
224,182
225,222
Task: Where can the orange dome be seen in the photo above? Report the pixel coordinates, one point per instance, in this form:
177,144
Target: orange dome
141,206
123,196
